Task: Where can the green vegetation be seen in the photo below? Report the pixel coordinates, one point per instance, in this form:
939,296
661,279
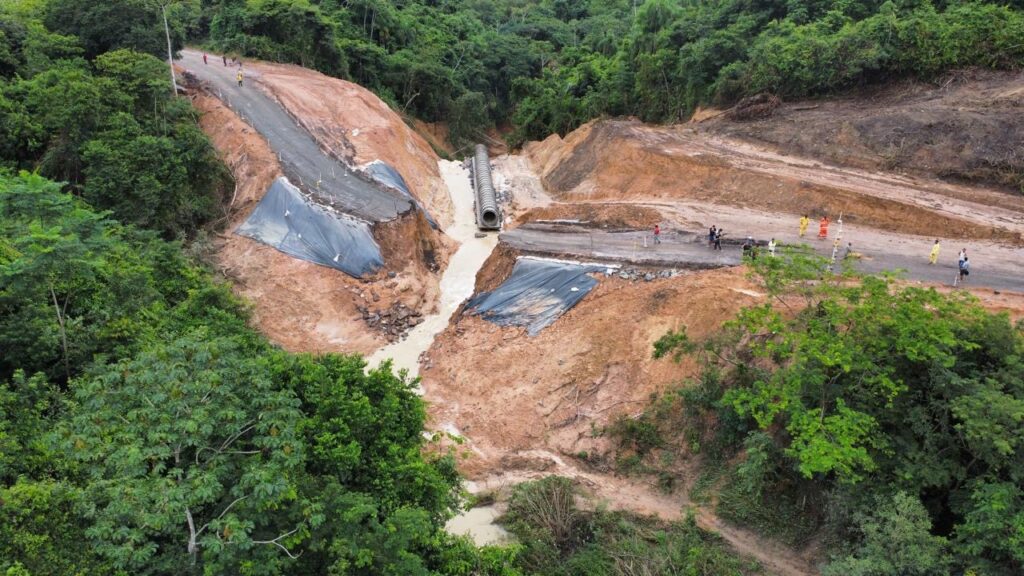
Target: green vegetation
559,539
104,122
547,66
888,415
144,427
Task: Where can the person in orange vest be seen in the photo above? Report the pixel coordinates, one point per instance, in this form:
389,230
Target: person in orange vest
823,228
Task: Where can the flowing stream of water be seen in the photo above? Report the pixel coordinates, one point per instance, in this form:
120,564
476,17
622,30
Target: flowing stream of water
456,285
456,282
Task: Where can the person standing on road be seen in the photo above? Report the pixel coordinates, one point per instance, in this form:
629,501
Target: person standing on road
204,58
961,257
225,58
657,234
771,247
965,269
804,223
239,77
823,228
934,256
718,238
711,236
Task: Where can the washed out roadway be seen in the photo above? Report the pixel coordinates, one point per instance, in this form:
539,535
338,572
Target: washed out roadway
688,251
303,161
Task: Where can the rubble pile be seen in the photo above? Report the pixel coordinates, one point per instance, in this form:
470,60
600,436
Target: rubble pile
393,322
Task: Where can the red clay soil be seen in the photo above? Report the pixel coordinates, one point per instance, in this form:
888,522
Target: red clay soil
967,126
591,365
352,123
614,160
299,305
436,134
595,215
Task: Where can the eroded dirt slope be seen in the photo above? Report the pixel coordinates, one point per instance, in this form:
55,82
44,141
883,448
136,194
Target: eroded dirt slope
353,123
592,364
616,160
967,126
299,305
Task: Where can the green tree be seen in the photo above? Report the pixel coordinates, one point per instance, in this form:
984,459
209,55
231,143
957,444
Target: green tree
188,449
112,24
894,540
42,531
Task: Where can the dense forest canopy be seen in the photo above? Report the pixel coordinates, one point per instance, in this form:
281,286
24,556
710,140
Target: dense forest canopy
543,66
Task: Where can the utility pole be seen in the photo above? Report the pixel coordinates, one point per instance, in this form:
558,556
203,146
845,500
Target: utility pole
170,54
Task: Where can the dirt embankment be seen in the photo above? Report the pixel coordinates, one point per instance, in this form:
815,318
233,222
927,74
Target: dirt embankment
616,160
611,217
352,123
968,126
299,305
591,365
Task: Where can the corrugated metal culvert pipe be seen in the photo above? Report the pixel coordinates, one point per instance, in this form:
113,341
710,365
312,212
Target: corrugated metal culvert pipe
487,215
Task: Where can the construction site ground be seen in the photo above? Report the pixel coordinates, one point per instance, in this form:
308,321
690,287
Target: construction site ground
529,406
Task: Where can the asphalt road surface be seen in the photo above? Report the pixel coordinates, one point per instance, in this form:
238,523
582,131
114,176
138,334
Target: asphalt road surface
302,160
689,251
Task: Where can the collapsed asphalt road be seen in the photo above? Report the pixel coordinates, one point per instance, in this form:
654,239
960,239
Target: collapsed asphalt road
303,161
689,251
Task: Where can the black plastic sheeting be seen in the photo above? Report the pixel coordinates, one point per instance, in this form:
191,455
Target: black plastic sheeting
536,294
287,221
384,173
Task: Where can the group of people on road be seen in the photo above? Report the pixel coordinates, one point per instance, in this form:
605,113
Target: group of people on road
805,221
715,234
715,237
239,76
963,263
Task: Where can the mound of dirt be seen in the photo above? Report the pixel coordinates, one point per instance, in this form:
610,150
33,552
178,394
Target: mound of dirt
352,123
297,304
593,364
616,160
753,107
613,217
969,127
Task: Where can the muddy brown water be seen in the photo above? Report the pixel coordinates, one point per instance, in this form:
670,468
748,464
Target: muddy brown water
457,281
457,284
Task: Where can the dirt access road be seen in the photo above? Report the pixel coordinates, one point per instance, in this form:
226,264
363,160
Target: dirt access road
306,164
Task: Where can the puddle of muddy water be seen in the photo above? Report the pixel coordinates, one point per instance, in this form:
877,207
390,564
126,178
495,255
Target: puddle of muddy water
458,279
478,524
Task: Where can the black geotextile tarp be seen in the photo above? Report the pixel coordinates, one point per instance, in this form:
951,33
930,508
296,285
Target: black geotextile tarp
386,174
535,294
287,221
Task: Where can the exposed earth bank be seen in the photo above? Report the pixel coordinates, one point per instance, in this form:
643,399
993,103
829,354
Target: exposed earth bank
302,306
967,126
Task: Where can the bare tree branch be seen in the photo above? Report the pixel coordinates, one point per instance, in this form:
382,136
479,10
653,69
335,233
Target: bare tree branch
279,545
